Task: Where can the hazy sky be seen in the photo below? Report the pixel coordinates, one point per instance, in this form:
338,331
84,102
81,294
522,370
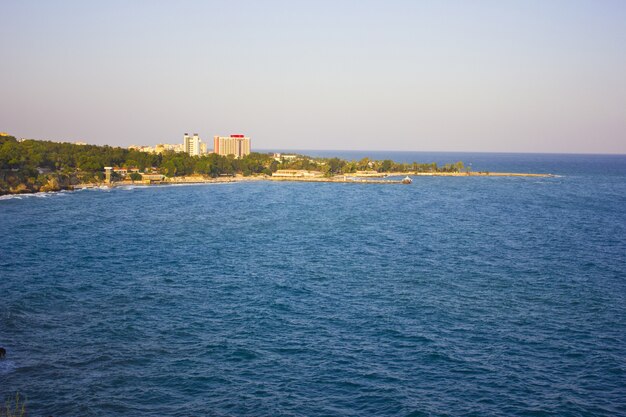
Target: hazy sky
527,76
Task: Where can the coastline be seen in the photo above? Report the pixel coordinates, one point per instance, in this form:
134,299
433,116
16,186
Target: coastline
384,178
50,166
472,174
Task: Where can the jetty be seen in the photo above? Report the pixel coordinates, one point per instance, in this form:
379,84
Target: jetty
472,174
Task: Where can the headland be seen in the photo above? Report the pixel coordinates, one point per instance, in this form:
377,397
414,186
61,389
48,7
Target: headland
29,166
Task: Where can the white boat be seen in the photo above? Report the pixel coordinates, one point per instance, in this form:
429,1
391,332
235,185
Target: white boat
407,180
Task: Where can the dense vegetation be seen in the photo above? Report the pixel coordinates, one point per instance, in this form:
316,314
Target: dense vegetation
334,166
34,165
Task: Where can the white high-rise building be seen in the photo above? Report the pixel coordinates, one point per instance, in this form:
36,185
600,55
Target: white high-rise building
192,144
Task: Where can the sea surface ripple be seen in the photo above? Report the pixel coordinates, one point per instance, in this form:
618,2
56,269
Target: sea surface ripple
448,297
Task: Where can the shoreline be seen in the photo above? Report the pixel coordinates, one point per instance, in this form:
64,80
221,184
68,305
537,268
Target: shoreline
472,174
384,178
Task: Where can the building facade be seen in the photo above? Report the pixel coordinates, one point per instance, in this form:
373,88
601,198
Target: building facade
192,144
297,173
237,145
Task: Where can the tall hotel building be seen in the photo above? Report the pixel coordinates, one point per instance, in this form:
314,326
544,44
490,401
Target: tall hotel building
238,145
192,144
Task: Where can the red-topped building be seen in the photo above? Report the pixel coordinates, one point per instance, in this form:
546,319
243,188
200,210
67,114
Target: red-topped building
238,145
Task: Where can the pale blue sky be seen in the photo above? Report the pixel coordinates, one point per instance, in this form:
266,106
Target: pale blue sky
513,76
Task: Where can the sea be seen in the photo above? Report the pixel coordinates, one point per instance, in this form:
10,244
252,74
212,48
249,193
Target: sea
451,296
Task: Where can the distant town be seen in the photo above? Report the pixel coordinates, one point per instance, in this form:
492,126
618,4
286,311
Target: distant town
236,145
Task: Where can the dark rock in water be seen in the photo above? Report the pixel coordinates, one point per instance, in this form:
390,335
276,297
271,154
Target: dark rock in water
3,352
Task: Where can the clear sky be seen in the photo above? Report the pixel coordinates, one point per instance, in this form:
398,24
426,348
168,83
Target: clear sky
512,76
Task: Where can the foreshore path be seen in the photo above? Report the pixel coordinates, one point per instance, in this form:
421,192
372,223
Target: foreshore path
388,178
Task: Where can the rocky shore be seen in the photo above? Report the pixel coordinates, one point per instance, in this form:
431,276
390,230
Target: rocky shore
388,178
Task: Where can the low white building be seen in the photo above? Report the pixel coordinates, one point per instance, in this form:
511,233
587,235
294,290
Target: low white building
296,173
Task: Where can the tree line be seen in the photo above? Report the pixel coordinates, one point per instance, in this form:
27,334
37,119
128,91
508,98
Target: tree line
34,165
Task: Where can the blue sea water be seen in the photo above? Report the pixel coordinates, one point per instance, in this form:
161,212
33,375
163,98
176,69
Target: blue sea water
479,296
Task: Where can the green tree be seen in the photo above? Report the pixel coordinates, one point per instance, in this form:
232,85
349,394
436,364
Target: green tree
335,165
386,165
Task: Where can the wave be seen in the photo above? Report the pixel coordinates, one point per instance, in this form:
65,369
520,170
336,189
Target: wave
104,188
11,197
101,188
33,195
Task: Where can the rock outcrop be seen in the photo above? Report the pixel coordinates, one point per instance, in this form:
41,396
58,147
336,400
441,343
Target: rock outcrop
51,185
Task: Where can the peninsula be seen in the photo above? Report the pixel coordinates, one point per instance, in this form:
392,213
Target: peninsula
28,166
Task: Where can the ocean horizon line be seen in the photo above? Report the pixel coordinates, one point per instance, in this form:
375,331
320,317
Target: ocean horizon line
439,152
